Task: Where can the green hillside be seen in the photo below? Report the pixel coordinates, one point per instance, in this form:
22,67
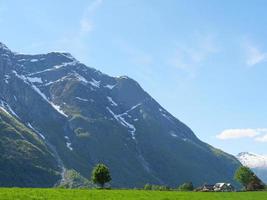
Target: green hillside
22,151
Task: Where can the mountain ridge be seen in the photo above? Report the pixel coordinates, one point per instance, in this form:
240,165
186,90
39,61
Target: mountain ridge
87,117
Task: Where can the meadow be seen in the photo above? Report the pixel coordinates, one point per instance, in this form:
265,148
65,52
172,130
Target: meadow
65,194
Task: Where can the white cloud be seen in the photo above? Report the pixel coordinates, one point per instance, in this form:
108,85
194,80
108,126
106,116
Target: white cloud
258,134
76,42
192,54
254,55
262,138
238,133
86,24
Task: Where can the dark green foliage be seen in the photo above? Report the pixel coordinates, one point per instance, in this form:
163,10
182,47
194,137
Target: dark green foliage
244,175
101,175
148,187
160,187
73,179
156,187
248,179
186,187
255,184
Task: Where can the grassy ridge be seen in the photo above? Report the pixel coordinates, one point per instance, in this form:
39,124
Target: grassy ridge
63,194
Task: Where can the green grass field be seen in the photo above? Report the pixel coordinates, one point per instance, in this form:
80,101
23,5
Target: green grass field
63,194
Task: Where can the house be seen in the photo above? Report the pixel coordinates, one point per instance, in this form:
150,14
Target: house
218,187
207,188
223,187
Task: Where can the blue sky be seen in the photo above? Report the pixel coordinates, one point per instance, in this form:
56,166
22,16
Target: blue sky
205,61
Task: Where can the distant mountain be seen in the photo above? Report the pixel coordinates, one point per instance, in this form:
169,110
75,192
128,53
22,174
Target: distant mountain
75,116
258,163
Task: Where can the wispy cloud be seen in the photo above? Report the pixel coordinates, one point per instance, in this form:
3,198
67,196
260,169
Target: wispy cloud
237,133
254,55
259,134
262,138
193,54
77,40
134,54
86,24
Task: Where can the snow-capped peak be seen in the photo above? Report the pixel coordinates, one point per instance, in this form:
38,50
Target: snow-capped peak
252,160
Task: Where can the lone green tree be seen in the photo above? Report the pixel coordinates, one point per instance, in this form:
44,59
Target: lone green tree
248,179
101,175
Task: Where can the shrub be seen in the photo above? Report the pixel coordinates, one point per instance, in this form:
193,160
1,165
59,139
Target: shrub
186,187
148,187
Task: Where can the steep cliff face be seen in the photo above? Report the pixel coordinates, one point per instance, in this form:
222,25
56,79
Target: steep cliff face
86,117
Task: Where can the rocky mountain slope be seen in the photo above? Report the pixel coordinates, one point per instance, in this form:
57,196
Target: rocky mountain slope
81,117
25,160
258,163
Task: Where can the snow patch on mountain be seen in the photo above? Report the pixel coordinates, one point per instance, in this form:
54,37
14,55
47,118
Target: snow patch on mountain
252,160
36,89
113,103
81,78
110,86
6,78
57,107
134,107
8,109
40,134
35,79
55,67
34,60
173,135
81,99
120,118
68,143
95,83
56,81
123,122
3,108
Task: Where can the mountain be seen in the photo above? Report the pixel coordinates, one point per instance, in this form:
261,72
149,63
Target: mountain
79,117
25,160
258,163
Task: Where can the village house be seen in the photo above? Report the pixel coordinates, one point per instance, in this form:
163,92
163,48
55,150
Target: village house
207,188
218,187
223,187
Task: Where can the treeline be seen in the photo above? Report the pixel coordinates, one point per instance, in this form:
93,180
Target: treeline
184,187
101,175
245,176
